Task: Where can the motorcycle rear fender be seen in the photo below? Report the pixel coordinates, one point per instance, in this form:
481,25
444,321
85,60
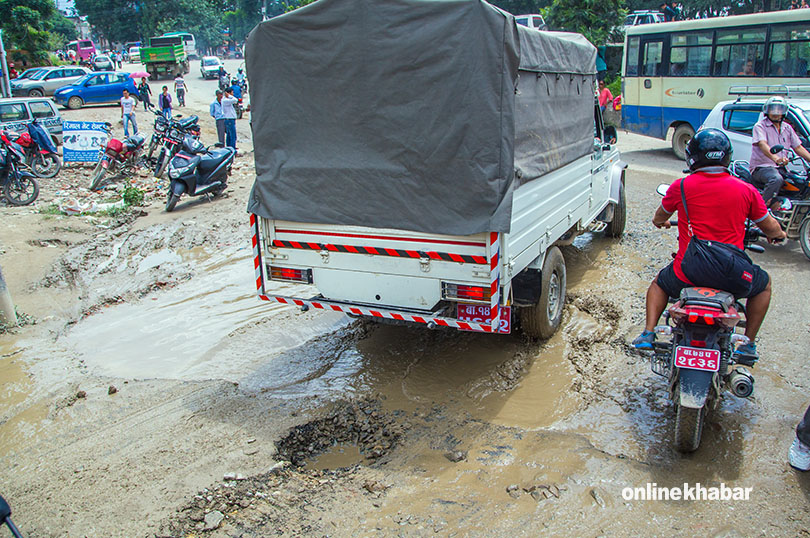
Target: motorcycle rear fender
694,387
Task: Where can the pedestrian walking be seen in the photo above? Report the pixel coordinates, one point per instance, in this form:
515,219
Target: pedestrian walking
119,57
180,89
128,104
165,103
145,94
229,113
219,119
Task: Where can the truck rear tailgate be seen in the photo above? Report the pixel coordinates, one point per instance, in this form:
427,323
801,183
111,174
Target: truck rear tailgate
385,268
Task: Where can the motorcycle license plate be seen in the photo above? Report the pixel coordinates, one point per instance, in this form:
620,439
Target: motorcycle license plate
696,358
480,314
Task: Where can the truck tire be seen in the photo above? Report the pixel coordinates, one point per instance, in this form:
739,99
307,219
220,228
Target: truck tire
683,134
615,228
543,319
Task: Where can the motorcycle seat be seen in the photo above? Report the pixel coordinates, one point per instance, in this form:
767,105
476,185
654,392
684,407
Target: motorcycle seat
185,123
134,141
707,297
214,158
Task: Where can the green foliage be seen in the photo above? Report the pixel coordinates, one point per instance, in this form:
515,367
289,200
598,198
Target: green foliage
592,18
133,196
300,3
615,87
63,30
26,23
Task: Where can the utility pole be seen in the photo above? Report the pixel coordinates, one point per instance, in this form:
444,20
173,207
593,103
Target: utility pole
7,312
5,84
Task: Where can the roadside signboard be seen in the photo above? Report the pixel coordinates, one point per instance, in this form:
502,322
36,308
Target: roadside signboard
81,141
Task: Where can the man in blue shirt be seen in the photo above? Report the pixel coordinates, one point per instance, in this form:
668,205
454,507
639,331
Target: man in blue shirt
237,90
219,118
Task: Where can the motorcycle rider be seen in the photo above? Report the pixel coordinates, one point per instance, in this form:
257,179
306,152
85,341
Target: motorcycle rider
768,170
718,204
240,77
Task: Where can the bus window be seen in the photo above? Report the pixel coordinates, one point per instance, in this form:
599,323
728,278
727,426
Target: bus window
691,54
632,57
789,53
736,48
652,59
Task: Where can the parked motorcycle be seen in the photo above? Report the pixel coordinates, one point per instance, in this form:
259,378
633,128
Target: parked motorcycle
40,152
19,185
794,212
161,124
699,361
5,518
117,157
172,141
196,170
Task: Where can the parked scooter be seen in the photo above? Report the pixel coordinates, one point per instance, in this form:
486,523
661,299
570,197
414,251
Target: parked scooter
5,518
172,140
196,170
117,157
40,152
19,185
793,213
699,360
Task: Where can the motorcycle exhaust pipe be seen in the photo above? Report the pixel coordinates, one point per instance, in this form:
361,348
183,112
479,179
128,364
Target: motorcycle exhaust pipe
741,382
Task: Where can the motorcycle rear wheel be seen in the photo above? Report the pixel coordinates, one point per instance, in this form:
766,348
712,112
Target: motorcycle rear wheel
804,236
46,165
21,191
98,176
689,428
151,151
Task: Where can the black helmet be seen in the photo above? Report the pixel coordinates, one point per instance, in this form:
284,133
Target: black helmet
709,147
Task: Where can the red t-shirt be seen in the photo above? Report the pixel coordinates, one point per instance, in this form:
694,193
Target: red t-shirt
718,205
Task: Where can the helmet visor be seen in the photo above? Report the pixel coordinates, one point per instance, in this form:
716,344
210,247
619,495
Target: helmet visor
776,108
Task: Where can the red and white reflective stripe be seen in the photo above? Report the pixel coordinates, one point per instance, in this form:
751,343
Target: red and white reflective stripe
257,258
495,280
378,313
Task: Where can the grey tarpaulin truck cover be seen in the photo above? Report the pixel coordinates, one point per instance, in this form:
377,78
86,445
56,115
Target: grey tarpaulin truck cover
419,115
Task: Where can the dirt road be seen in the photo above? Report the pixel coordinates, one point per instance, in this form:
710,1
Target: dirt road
154,394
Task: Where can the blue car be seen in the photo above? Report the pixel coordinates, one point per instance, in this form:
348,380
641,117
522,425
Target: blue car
103,87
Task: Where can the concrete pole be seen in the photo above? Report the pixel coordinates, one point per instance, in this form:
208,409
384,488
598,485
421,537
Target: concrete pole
5,84
7,312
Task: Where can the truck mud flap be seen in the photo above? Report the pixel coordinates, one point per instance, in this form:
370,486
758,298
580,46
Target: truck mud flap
694,386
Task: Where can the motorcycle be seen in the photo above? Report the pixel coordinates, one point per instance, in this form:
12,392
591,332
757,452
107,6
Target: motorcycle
117,157
698,360
196,170
19,185
172,141
5,518
160,126
40,152
794,211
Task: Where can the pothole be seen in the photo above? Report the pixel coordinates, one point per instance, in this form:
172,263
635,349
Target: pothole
354,433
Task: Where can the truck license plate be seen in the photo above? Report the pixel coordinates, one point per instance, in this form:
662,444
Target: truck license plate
480,314
696,358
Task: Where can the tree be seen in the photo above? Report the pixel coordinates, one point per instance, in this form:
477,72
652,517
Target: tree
26,24
592,18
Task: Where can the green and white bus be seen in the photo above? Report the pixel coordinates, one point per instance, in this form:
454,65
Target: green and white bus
675,72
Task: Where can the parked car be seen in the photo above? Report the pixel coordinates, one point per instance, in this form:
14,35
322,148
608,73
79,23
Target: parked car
46,81
102,62
135,55
106,87
209,67
17,112
532,20
737,120
28,73
644,17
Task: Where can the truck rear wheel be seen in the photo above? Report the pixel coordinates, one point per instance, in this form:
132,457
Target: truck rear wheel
683,134
543,319
615,228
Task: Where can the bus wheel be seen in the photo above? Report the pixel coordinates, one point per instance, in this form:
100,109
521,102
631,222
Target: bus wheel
683,134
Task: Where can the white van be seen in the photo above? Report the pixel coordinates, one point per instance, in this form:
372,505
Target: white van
533,20
16,113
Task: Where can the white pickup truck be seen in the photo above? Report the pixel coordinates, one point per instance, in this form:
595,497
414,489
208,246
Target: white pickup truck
424,165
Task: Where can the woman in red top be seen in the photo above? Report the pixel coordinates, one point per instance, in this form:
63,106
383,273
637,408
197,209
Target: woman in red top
604,95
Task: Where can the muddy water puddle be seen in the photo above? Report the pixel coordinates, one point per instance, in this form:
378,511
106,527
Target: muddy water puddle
339,456
176,333
18,420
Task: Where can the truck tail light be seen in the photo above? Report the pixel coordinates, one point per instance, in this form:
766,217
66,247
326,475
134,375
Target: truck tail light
465,293
291,275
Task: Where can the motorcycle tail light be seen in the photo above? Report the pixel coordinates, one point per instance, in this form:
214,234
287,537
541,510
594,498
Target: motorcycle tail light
697,343
704,316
